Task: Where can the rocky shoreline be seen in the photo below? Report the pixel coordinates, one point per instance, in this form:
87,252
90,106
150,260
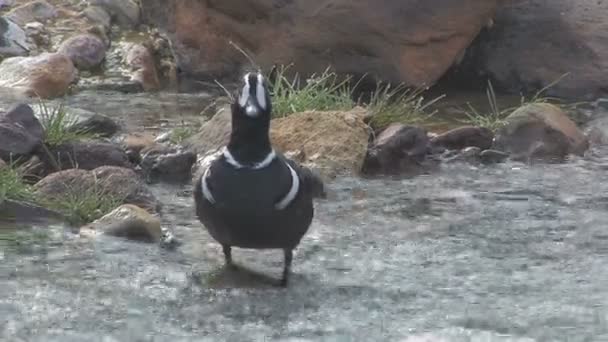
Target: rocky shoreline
53,49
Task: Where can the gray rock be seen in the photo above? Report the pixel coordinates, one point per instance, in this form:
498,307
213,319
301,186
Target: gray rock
119,182
13,39
467,155
85,155
86,51
463,137
99,16
213,134
20,132
125,13
399,149
493,156
98,124
38,10
165,163
24,212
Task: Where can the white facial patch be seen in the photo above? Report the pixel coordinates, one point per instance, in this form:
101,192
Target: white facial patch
261,93
245,92
291,195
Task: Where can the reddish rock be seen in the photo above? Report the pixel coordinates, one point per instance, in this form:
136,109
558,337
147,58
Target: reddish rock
139,59
47,75
408,41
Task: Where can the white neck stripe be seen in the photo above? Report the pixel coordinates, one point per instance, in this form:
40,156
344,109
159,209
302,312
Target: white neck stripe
259,165
206,192
291,195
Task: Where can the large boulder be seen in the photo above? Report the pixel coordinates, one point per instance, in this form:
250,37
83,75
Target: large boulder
47,75
408,41
20,132
86,51
114,181
534,42
540,132
332,142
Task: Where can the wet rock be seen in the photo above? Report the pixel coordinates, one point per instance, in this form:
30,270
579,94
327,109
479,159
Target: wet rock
6,3
405,41
86,155
463,137
125,13
24,212
20,132
86,51
99,16
399,149
13,40
213,134
467,155
115,181
540,132
332,142
2,164
167,163
493,156
535,42
141,64
128,221
133,143
47,75
39,35
98,124
113,84
38,10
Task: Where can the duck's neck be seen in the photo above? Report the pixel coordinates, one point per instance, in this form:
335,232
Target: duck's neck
249,140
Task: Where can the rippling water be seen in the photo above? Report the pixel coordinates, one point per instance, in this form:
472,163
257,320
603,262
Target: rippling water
505,253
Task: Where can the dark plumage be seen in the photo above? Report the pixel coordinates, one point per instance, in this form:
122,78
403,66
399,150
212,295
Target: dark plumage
251,196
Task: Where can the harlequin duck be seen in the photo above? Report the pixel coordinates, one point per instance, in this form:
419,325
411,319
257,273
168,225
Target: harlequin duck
251,196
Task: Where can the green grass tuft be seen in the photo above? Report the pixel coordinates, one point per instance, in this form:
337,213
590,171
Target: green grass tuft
398,104
493,120
318,92
12,186
58,125
496,118
82,207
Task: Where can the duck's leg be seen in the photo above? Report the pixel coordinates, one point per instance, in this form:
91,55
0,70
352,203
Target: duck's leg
286,266
227,255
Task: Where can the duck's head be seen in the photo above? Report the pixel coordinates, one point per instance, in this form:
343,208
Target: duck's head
254,100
